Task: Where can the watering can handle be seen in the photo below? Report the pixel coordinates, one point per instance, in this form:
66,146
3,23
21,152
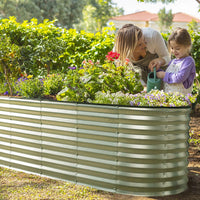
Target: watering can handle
154,73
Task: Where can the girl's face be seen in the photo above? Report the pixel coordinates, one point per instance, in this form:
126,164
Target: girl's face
140,49
179,51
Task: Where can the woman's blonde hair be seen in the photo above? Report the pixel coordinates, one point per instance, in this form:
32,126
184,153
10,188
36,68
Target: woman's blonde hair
126,41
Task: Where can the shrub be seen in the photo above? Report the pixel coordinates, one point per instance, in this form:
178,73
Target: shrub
83,84
196,50
30,87
53,84
45,48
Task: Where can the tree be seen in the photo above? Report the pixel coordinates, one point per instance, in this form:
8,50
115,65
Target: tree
156,1
102,13
70,13
163,1
88,23
7,7
67,12
97,13
165,19
193,26
23,11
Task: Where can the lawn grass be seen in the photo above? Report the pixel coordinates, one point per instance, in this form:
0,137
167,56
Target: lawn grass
17,185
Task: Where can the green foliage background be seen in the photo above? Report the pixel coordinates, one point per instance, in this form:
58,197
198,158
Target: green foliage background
40,49
89,15
43,48
67,12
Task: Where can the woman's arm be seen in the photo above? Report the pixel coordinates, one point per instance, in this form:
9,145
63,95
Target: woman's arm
156,45
160,47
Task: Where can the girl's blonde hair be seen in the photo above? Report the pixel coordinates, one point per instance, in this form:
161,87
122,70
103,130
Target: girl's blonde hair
126,41
181,37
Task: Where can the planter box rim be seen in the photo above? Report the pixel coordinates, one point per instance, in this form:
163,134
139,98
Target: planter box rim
94,104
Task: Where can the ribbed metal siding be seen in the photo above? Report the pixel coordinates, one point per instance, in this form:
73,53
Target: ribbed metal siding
130,150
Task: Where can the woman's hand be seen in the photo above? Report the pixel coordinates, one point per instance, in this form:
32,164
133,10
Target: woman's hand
160,74
158,62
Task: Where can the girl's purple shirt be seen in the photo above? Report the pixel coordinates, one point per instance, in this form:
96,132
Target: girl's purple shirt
185,75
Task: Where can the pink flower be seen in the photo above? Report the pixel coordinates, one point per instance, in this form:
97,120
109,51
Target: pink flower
90,62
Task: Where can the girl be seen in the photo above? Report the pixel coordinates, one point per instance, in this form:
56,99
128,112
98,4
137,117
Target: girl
180,73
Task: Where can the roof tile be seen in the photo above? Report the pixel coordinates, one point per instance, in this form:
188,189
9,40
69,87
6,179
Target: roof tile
147,16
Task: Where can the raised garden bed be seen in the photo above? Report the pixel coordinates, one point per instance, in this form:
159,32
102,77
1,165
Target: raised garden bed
121,149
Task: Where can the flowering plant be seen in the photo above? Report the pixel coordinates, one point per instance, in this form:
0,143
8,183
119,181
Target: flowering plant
155,98
35,87
84,83
53,83
29,87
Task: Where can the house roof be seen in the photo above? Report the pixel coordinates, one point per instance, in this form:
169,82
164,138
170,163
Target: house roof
138,16
182,17
147,16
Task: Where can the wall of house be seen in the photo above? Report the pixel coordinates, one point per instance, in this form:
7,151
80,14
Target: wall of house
152,24
119,24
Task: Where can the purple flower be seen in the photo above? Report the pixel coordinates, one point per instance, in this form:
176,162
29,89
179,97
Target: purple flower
24,79
131,103
72,68
6,93
41,80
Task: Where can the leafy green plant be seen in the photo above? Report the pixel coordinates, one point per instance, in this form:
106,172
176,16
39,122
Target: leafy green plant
42,49
30,87
195,49
154,98
194,139
53,84
84,83
5,87
160,98
118,98
9,67
45,48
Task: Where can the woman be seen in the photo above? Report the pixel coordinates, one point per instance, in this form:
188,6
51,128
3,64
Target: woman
145,48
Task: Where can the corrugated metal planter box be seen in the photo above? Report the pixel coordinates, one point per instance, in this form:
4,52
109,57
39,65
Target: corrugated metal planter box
127,150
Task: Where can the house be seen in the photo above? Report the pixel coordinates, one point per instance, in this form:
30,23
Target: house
147,19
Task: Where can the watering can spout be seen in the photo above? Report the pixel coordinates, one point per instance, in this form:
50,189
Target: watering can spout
153,83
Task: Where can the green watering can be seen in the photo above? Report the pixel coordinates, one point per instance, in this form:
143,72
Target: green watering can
153,83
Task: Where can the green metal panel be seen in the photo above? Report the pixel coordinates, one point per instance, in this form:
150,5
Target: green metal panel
128,150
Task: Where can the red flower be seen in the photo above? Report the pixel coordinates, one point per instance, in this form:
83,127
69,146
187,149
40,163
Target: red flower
112,56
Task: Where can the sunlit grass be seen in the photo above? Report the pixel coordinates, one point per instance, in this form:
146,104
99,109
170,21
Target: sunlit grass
21,186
